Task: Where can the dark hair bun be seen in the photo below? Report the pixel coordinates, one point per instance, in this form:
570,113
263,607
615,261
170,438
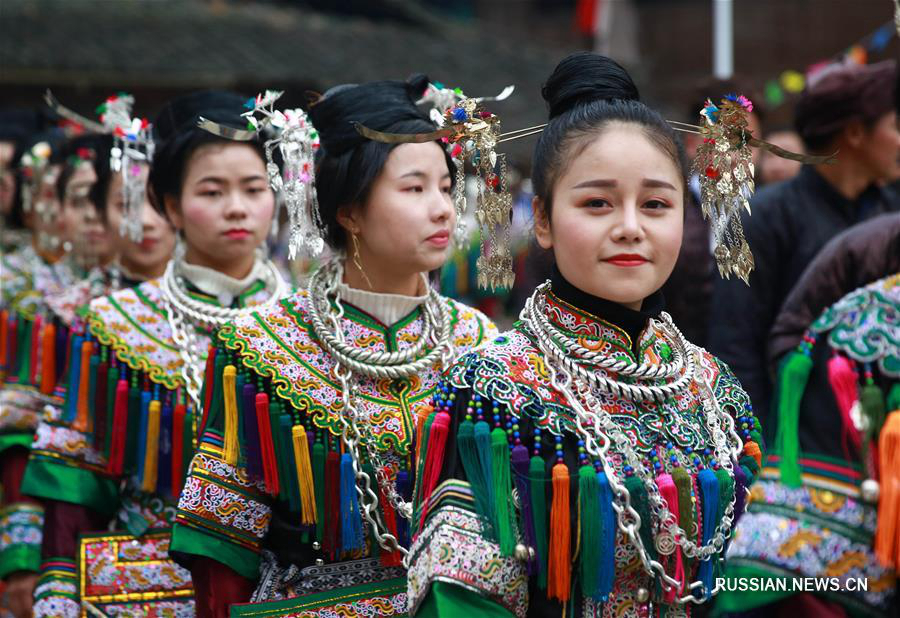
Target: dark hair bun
585,77
381,106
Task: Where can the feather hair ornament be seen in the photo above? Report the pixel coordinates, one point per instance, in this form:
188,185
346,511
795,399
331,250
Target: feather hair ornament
297,141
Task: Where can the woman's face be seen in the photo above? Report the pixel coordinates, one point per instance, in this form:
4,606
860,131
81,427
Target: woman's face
147,258
81,224
45,218
616,221
225,208
406,225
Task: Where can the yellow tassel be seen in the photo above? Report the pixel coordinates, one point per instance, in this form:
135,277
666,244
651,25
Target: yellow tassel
148,483
229,380
308,515
81,417
887,534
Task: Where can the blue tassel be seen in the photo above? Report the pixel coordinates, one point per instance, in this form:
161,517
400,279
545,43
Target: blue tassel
351,525
607,547
709,491
404,489
74,380
251,433
146,397
164,459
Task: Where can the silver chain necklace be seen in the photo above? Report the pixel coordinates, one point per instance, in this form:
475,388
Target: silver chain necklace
350,362
185,315
598,431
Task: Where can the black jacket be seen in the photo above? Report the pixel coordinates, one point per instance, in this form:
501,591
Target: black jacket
790,224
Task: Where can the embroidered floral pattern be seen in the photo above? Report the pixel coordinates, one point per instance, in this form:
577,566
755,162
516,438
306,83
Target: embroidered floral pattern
279,344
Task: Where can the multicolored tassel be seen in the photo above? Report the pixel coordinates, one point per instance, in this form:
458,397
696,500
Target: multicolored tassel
479,475
669,492
434,458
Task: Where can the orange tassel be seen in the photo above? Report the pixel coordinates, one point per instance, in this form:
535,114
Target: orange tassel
751,448
48,359
81,418
887,543
421,416
560,567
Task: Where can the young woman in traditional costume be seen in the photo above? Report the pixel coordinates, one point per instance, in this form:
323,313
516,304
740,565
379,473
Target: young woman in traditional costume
590,461
115,453
827,503
299,494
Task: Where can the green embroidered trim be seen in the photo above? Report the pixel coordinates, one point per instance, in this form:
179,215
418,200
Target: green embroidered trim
123,350
322,417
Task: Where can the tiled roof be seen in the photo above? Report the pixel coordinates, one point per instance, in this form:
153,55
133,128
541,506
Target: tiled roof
183,44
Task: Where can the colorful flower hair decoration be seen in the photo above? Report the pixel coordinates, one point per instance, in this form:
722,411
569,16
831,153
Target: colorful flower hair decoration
33,167
132,145
297,141
472,134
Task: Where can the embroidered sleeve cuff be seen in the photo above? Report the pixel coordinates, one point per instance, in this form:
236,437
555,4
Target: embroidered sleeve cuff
450,549
56,594
46,478
221,515
21,526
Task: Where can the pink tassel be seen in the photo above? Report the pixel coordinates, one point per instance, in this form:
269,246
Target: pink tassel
434,458
843,379
669,493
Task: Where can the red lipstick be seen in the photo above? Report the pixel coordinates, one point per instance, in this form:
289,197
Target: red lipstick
237,233
439,239
627,260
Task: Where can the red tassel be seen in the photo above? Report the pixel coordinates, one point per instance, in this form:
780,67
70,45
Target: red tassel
210,382
560,564
669,493
267,444
843,379
178,448
35,350
48,360
4,337
332,539
119,429
434,458
394,558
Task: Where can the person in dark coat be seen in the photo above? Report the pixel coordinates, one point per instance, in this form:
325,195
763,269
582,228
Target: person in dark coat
847,109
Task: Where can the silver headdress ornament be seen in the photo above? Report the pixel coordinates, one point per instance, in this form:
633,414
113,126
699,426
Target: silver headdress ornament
473,133
442,99
132,145
297,141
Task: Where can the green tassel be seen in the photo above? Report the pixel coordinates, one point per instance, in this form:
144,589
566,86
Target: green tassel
506,514
24,345
216,418
318,469
751,468
792,380
589,518
537,477
420,464
893,399
640,503
686,510
873,405
479,479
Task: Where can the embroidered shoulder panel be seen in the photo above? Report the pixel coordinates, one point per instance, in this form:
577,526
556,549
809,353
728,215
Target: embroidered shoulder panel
279,344
132,322
865,324
511,370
